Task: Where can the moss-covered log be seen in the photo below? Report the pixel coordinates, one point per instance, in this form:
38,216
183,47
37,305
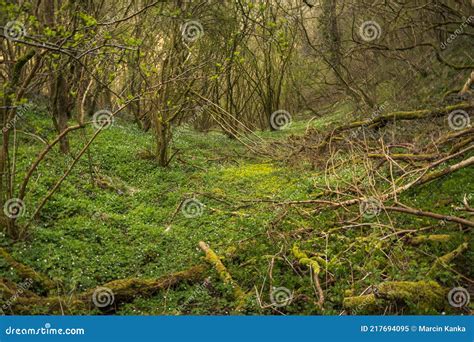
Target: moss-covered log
27,272
10,289
447,170
125,290
418,240
425,295
364,302
313,263
383,120
121,291
224,274
444,260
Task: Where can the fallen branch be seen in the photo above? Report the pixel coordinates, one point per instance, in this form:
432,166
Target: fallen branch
382,120
225,276
315,269
420,239
443,261
405,156
424,178
431,215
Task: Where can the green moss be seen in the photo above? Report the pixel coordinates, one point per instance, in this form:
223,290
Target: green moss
247,171
417,240
365,302
304,260
423,295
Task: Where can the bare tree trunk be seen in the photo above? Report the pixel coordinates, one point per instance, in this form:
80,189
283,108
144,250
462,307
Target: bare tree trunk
59,109
162,135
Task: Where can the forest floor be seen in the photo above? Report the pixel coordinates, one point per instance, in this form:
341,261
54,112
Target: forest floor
132,222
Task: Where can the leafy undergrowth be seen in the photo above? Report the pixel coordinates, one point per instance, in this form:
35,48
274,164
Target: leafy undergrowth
130,225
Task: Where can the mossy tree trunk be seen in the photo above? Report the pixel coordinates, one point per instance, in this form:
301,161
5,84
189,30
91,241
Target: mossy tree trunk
7,118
